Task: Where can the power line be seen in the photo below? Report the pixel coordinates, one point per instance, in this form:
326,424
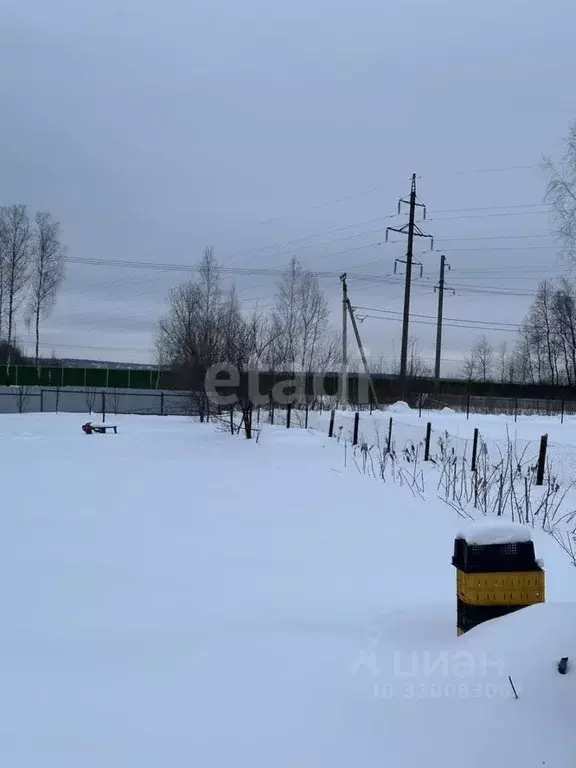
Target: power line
373,190
432,317
490,207
505,270
486,237
267,271
368,233
381,188
448,324
533,277
364,233
279,272
490,288
248,270
46,345
504,248
504,169
315,234
339,200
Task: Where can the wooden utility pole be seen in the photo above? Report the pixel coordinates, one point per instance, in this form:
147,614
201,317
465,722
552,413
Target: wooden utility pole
361,350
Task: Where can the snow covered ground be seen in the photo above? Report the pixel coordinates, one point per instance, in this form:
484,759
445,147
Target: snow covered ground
176,596
496,433
493,427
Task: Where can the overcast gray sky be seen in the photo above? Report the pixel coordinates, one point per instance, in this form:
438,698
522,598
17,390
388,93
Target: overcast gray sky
153,129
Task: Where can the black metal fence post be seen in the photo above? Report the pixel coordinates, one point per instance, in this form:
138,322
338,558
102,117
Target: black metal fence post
356,422
161,403
389,443
331,427
542,460
474,450
468,407
427,443
288,415
562,413
103,407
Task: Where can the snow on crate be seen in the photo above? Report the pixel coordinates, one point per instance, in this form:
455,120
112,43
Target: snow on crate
486,533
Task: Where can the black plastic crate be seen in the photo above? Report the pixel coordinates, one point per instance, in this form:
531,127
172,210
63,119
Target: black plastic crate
494,558
469,616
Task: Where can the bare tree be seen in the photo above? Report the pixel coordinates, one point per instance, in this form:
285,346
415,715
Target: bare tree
313,316
283,353
300,324
469,367
561,193
15,239
90,398
47,272
546,352
22,396
479,362
204,326
503,362
539,335
2,285
564,328
417,367
483,355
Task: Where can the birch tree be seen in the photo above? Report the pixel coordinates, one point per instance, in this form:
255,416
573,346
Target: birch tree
300,324
283,354
478,364
483,356
15,246
2,286
469,367
46,272
564,324
561,193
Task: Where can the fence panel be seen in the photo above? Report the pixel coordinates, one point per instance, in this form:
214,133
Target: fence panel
24,399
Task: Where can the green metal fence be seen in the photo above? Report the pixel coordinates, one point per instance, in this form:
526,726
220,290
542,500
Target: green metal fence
59,376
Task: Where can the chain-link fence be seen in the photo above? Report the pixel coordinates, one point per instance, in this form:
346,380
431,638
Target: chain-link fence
387,430
509,406
88,400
